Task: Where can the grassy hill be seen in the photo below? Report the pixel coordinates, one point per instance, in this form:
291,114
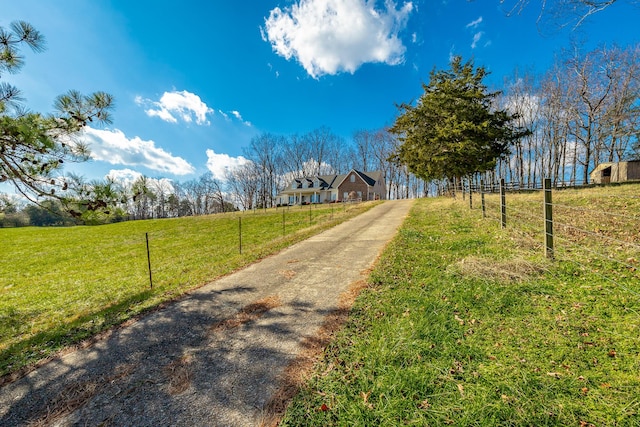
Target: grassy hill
467,324
59,286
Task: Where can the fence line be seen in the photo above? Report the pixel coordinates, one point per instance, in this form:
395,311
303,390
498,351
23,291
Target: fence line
301,221
534,220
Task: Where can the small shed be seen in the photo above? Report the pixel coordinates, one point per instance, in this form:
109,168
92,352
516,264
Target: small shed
605,173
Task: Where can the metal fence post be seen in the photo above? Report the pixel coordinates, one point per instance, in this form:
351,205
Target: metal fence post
503,203
240,233
484,209
146,236
470,195
283,225
548,219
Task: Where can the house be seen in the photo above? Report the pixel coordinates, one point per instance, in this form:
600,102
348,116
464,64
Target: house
605,173
353,186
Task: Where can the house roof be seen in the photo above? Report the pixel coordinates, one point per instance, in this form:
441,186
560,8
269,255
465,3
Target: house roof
367,177
330,182
370,177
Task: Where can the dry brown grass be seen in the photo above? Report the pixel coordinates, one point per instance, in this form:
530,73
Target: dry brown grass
513,270
248,313
179,374
76,395
296,373
288,274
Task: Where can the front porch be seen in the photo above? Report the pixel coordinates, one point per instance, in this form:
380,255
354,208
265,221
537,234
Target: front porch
298,197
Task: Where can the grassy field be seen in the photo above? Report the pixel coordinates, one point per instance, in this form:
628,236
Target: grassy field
59,286
466,324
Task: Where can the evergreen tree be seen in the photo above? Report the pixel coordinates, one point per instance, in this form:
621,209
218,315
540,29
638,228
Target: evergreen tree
454,130
33,146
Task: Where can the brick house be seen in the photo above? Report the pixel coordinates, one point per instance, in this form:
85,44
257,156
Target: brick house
353,186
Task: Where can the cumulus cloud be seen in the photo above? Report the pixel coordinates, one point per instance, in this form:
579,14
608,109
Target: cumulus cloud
114,147
126,177
218,164
331,36
175,106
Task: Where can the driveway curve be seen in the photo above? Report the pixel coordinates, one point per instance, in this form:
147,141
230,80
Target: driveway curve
217,356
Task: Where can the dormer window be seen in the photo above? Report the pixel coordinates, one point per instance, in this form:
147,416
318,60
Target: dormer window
304,184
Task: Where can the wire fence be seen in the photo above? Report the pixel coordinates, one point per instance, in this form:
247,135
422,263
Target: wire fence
258,227
595,231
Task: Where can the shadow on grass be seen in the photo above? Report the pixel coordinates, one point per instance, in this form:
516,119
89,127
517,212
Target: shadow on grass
44,344
165,360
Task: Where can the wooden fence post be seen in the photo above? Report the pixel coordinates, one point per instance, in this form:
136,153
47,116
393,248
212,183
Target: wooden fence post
503,203
548,219
470,195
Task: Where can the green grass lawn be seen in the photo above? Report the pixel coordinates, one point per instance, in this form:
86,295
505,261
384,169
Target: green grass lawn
466,324
59,286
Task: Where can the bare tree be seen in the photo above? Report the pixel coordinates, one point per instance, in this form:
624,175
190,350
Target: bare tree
242,183
558,14
265,153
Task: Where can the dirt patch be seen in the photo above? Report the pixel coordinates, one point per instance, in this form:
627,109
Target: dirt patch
296,373
515,270
248,313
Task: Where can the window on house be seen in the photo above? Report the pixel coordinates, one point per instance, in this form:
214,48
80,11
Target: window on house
353,178
359,194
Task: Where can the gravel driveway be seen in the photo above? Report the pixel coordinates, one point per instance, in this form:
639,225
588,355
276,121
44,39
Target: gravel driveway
216,357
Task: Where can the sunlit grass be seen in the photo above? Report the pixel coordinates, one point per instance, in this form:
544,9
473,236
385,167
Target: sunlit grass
466,324
59,286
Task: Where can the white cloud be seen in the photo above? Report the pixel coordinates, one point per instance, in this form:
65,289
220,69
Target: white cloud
238,116
114,147
474,24
174,106
126,177
331,36
476,38
218,164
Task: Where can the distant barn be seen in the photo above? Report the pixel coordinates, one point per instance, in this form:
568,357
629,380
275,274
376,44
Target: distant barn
616,172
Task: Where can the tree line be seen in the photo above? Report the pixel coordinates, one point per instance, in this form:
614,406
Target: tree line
272,161
559,124
581,112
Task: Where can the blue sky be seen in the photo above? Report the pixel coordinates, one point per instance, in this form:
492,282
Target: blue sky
194,81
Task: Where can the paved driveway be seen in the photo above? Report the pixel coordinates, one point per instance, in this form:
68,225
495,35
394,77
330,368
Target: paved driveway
216,357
